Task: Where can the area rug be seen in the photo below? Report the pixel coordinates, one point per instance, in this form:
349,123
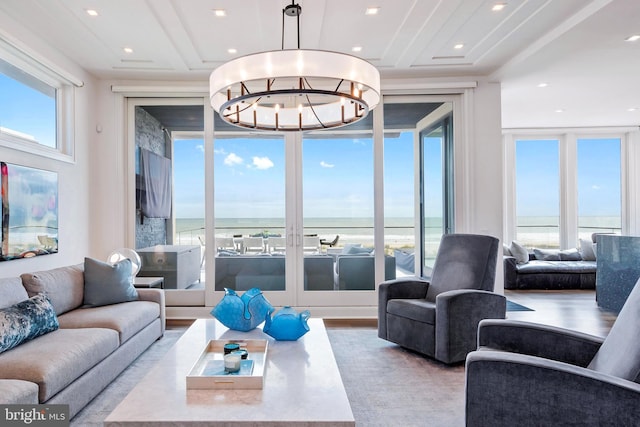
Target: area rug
513,306
386,385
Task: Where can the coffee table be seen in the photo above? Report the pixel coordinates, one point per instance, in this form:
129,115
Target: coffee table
302,386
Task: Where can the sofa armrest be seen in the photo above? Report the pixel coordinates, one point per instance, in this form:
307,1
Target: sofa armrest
157,296
510,272
534,339
508,389
458,313
398,288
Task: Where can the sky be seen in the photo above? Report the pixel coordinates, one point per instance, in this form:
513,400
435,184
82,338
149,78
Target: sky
27,111
538,181
337,177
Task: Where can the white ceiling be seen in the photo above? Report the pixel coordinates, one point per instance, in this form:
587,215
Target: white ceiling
576,46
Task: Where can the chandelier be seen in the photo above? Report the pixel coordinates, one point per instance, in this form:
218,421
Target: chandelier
294,89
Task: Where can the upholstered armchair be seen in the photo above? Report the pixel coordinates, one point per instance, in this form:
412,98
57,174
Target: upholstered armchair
525,374
439,317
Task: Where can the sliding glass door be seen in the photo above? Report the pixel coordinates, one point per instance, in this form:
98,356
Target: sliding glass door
436,171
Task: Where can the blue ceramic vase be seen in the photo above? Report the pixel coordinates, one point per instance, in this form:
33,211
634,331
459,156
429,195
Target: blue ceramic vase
242,313
287,324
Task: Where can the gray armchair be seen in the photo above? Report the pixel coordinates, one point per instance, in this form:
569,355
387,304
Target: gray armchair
439,318
527,374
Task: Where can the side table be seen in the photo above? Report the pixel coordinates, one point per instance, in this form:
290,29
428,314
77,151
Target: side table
148,282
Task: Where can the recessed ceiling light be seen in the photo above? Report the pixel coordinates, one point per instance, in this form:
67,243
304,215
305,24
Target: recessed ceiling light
498,7
632,109
543,84
632,38
127,50
372,10
459,46
220,12
232,50
92,12
356,49
559,110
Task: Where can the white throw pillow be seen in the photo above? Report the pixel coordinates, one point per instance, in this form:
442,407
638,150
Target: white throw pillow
519,252
587,251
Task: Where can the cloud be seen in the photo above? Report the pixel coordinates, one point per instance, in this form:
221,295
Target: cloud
200,147
262,163
326,165
233,159
219,151
596,187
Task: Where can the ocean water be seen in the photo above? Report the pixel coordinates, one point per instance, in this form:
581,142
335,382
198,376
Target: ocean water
539,231
544,231
399,232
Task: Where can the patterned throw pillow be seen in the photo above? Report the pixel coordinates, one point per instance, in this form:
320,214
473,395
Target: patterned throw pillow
26,320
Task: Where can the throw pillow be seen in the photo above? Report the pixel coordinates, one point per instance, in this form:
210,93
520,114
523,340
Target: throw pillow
570,255
547,254
519,252
106,283
357,250
586,250
505,250
26,320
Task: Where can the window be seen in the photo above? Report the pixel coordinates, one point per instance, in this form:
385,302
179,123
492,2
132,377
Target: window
36,105
27,107
599,198
537,193
562,187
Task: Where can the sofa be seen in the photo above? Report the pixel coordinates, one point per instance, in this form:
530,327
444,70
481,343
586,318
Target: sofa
551,269
88,345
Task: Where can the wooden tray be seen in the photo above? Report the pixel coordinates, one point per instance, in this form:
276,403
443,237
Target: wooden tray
208,371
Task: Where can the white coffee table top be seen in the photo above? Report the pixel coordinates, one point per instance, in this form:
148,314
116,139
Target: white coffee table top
302,386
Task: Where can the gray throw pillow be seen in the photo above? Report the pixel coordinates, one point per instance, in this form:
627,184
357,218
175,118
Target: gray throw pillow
586,250
505,250
519,252
26,320
547,254
570,255
106,283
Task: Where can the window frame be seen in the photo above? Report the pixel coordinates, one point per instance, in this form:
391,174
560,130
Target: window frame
567,145
64,86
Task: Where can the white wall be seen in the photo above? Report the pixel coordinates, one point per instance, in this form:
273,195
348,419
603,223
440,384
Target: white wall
74,190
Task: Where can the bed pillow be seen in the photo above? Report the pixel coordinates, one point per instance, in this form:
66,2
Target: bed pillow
106,283
26,320
519,252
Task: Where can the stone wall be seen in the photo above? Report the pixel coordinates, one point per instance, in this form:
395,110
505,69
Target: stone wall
150,136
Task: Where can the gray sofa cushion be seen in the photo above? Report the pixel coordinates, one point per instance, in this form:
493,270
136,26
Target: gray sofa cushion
12,291
127,318
64,286
55,360
25,321
419,310
18,392
535,267
106,283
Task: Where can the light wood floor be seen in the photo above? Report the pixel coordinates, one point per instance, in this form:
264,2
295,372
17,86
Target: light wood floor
572,309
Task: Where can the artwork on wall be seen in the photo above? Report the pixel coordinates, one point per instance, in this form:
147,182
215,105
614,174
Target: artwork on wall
29,201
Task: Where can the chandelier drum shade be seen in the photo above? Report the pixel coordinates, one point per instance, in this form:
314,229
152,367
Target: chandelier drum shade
294,89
